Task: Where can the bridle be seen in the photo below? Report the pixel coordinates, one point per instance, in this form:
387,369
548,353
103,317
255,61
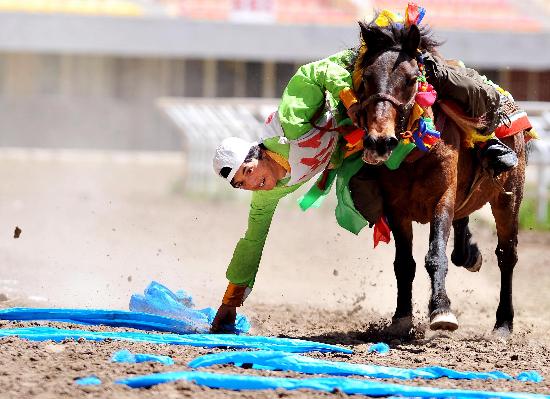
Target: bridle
403,109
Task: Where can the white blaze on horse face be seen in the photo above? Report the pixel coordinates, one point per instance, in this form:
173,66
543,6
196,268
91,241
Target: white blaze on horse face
390,83
380,129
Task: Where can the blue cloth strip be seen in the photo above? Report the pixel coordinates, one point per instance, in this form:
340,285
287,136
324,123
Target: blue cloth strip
112,318
529,376
380,348
202,340
270,360
159,309
91,380
125,356
160,300
346,385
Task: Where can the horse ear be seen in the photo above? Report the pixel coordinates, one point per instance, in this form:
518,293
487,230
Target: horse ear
364,29
375,39
412,42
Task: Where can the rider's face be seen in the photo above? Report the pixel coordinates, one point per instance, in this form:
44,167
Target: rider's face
255,175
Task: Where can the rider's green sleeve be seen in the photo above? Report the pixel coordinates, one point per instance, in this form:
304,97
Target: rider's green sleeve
248,252
305,92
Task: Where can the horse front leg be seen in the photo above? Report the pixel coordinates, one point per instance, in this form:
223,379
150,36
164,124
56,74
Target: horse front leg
404,268
441,317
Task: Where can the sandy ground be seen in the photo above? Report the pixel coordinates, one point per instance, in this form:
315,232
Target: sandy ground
98,227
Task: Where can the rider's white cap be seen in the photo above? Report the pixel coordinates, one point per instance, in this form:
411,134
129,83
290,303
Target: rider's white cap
231,154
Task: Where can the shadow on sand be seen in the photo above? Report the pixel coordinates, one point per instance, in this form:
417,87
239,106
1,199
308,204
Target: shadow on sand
376,331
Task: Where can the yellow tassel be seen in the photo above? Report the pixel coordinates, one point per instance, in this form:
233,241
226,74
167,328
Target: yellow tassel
473,137
386,17
357,70
533,134
481,138
352,149
416,113
348,97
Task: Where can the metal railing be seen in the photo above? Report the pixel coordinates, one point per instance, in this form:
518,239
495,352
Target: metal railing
539,156
204,123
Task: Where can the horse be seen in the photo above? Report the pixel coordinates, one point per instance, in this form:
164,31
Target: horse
441,188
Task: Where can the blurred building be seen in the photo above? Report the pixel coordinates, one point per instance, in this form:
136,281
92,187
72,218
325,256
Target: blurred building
86,73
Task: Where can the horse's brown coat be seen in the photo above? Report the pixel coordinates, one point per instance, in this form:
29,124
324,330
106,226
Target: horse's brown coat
432,188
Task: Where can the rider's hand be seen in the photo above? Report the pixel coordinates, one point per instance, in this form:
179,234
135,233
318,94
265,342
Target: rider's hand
224,322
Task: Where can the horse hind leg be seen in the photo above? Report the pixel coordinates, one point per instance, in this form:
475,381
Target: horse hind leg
465,252
505,207
506,212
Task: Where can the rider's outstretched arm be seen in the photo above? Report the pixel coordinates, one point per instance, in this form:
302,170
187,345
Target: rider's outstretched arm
245,262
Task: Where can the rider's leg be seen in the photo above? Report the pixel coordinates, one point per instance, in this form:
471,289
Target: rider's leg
478,99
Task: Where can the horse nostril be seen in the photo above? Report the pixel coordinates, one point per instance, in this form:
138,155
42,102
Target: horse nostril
369,142
392,143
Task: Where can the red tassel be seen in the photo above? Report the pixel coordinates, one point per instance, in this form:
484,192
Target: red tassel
411,14
354,136
322,184
381,231
430,140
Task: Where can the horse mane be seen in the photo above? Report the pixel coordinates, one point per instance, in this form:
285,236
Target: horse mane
397,32
390,37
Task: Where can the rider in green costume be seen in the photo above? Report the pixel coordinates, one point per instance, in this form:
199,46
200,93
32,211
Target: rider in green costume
316,86
303,96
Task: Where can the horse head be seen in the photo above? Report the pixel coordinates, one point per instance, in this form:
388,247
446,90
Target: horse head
385,79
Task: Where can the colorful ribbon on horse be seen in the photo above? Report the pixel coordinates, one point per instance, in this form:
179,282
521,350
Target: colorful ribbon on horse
421,132
414,14
424,135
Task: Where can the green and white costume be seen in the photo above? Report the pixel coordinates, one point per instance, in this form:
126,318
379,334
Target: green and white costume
312,87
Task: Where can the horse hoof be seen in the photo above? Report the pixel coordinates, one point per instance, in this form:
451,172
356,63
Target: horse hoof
502,330
502,333
400,326
444,321
477,264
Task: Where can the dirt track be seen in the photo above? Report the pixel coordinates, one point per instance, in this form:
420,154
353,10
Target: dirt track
93,232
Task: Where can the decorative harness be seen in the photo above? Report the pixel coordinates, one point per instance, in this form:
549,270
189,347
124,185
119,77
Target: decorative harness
403,109
414,125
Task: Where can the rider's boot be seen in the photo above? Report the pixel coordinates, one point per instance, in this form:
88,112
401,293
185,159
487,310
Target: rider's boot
497,156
